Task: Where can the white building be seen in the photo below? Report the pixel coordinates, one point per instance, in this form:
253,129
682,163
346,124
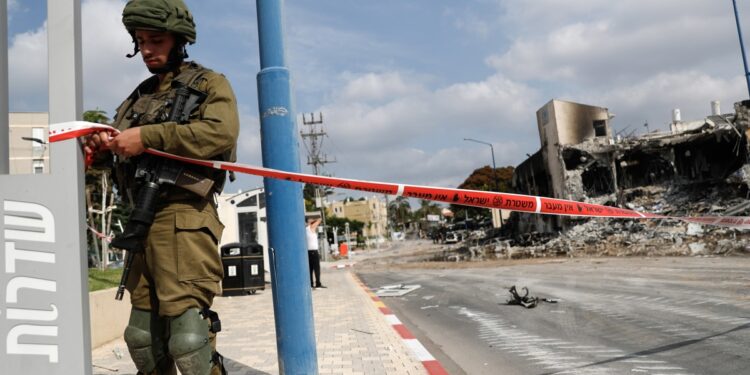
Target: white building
28,142
244,217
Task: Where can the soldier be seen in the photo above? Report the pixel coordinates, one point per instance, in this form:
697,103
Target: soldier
175,278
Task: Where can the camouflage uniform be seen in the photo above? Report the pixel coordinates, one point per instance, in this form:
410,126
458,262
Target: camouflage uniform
177,276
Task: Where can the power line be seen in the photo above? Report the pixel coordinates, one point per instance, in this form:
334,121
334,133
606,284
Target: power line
313,141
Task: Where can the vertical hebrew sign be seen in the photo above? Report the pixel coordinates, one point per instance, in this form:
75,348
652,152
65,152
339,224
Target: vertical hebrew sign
44,313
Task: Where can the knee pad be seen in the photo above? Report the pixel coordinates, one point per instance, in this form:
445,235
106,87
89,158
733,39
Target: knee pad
189,343
139,340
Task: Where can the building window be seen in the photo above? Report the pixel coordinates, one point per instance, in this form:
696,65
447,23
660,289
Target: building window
248,225
600,128
249,202
38,166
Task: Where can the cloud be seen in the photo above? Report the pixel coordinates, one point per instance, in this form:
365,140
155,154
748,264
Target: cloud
446,167
653,98
378,87
248,150
27,70
248,144
601,53
412,110
108,76
416,134
640,64
473,24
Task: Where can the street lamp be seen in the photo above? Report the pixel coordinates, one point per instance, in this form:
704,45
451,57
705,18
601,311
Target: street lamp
494,168
742,44
32,139
37,152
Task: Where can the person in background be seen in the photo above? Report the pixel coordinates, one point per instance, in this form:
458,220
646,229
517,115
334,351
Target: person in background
313,251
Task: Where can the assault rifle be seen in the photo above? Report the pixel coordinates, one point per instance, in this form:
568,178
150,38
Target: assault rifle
151,173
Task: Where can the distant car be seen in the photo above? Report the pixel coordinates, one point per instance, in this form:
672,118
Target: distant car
452,237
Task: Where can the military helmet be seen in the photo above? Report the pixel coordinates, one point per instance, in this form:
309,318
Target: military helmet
163,15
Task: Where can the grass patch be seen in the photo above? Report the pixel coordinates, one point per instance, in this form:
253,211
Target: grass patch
104,279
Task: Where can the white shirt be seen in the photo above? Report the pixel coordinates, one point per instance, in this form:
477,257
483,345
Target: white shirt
312,239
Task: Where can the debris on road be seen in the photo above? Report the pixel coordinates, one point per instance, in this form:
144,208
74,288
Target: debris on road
525,300
397,290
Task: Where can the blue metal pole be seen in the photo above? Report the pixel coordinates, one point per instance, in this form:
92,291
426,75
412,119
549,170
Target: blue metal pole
292,299
742,45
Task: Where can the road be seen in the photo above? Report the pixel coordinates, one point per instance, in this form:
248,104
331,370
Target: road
646,316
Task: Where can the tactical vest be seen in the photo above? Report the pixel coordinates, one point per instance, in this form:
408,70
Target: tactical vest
146,105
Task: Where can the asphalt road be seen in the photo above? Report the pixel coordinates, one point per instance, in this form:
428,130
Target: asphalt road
644,316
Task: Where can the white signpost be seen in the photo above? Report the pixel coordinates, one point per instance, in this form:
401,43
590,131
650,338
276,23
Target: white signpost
44,313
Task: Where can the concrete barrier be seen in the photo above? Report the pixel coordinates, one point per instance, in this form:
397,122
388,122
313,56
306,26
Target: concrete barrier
109,317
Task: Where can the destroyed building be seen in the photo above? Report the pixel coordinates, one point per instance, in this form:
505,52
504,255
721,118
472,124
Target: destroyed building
581,160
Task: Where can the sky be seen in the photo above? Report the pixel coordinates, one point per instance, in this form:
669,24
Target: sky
400,84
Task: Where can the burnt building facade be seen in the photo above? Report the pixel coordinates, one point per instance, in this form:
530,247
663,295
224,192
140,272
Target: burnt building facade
580,160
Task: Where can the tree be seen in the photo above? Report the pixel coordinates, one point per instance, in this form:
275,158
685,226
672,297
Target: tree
399,211
100,198
427,208
308,193
483,179
96,115
340,222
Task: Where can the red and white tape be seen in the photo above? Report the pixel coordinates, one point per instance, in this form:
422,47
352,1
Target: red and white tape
511,202
100,234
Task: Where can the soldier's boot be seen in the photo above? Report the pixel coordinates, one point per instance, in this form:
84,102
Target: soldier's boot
145,347
189,343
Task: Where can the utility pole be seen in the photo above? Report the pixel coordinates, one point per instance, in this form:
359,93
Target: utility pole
292,298
348,244
313,140
742,45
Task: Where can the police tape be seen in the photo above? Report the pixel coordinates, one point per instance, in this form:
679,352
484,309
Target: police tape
505,201
100,235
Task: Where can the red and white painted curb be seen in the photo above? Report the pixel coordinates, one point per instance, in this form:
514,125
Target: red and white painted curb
418,350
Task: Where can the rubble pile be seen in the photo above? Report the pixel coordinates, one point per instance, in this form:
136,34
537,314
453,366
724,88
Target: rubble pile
626,237
698,168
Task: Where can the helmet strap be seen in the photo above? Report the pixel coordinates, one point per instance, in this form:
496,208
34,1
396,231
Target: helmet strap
135,47
177,55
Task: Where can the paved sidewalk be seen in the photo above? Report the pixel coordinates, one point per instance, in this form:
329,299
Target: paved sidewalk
352,335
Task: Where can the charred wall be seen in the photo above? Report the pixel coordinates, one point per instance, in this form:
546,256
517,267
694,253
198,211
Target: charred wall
710,158
532,178
604,170
640,168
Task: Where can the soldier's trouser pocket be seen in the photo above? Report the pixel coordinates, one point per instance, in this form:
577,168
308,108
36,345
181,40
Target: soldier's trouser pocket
196,237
